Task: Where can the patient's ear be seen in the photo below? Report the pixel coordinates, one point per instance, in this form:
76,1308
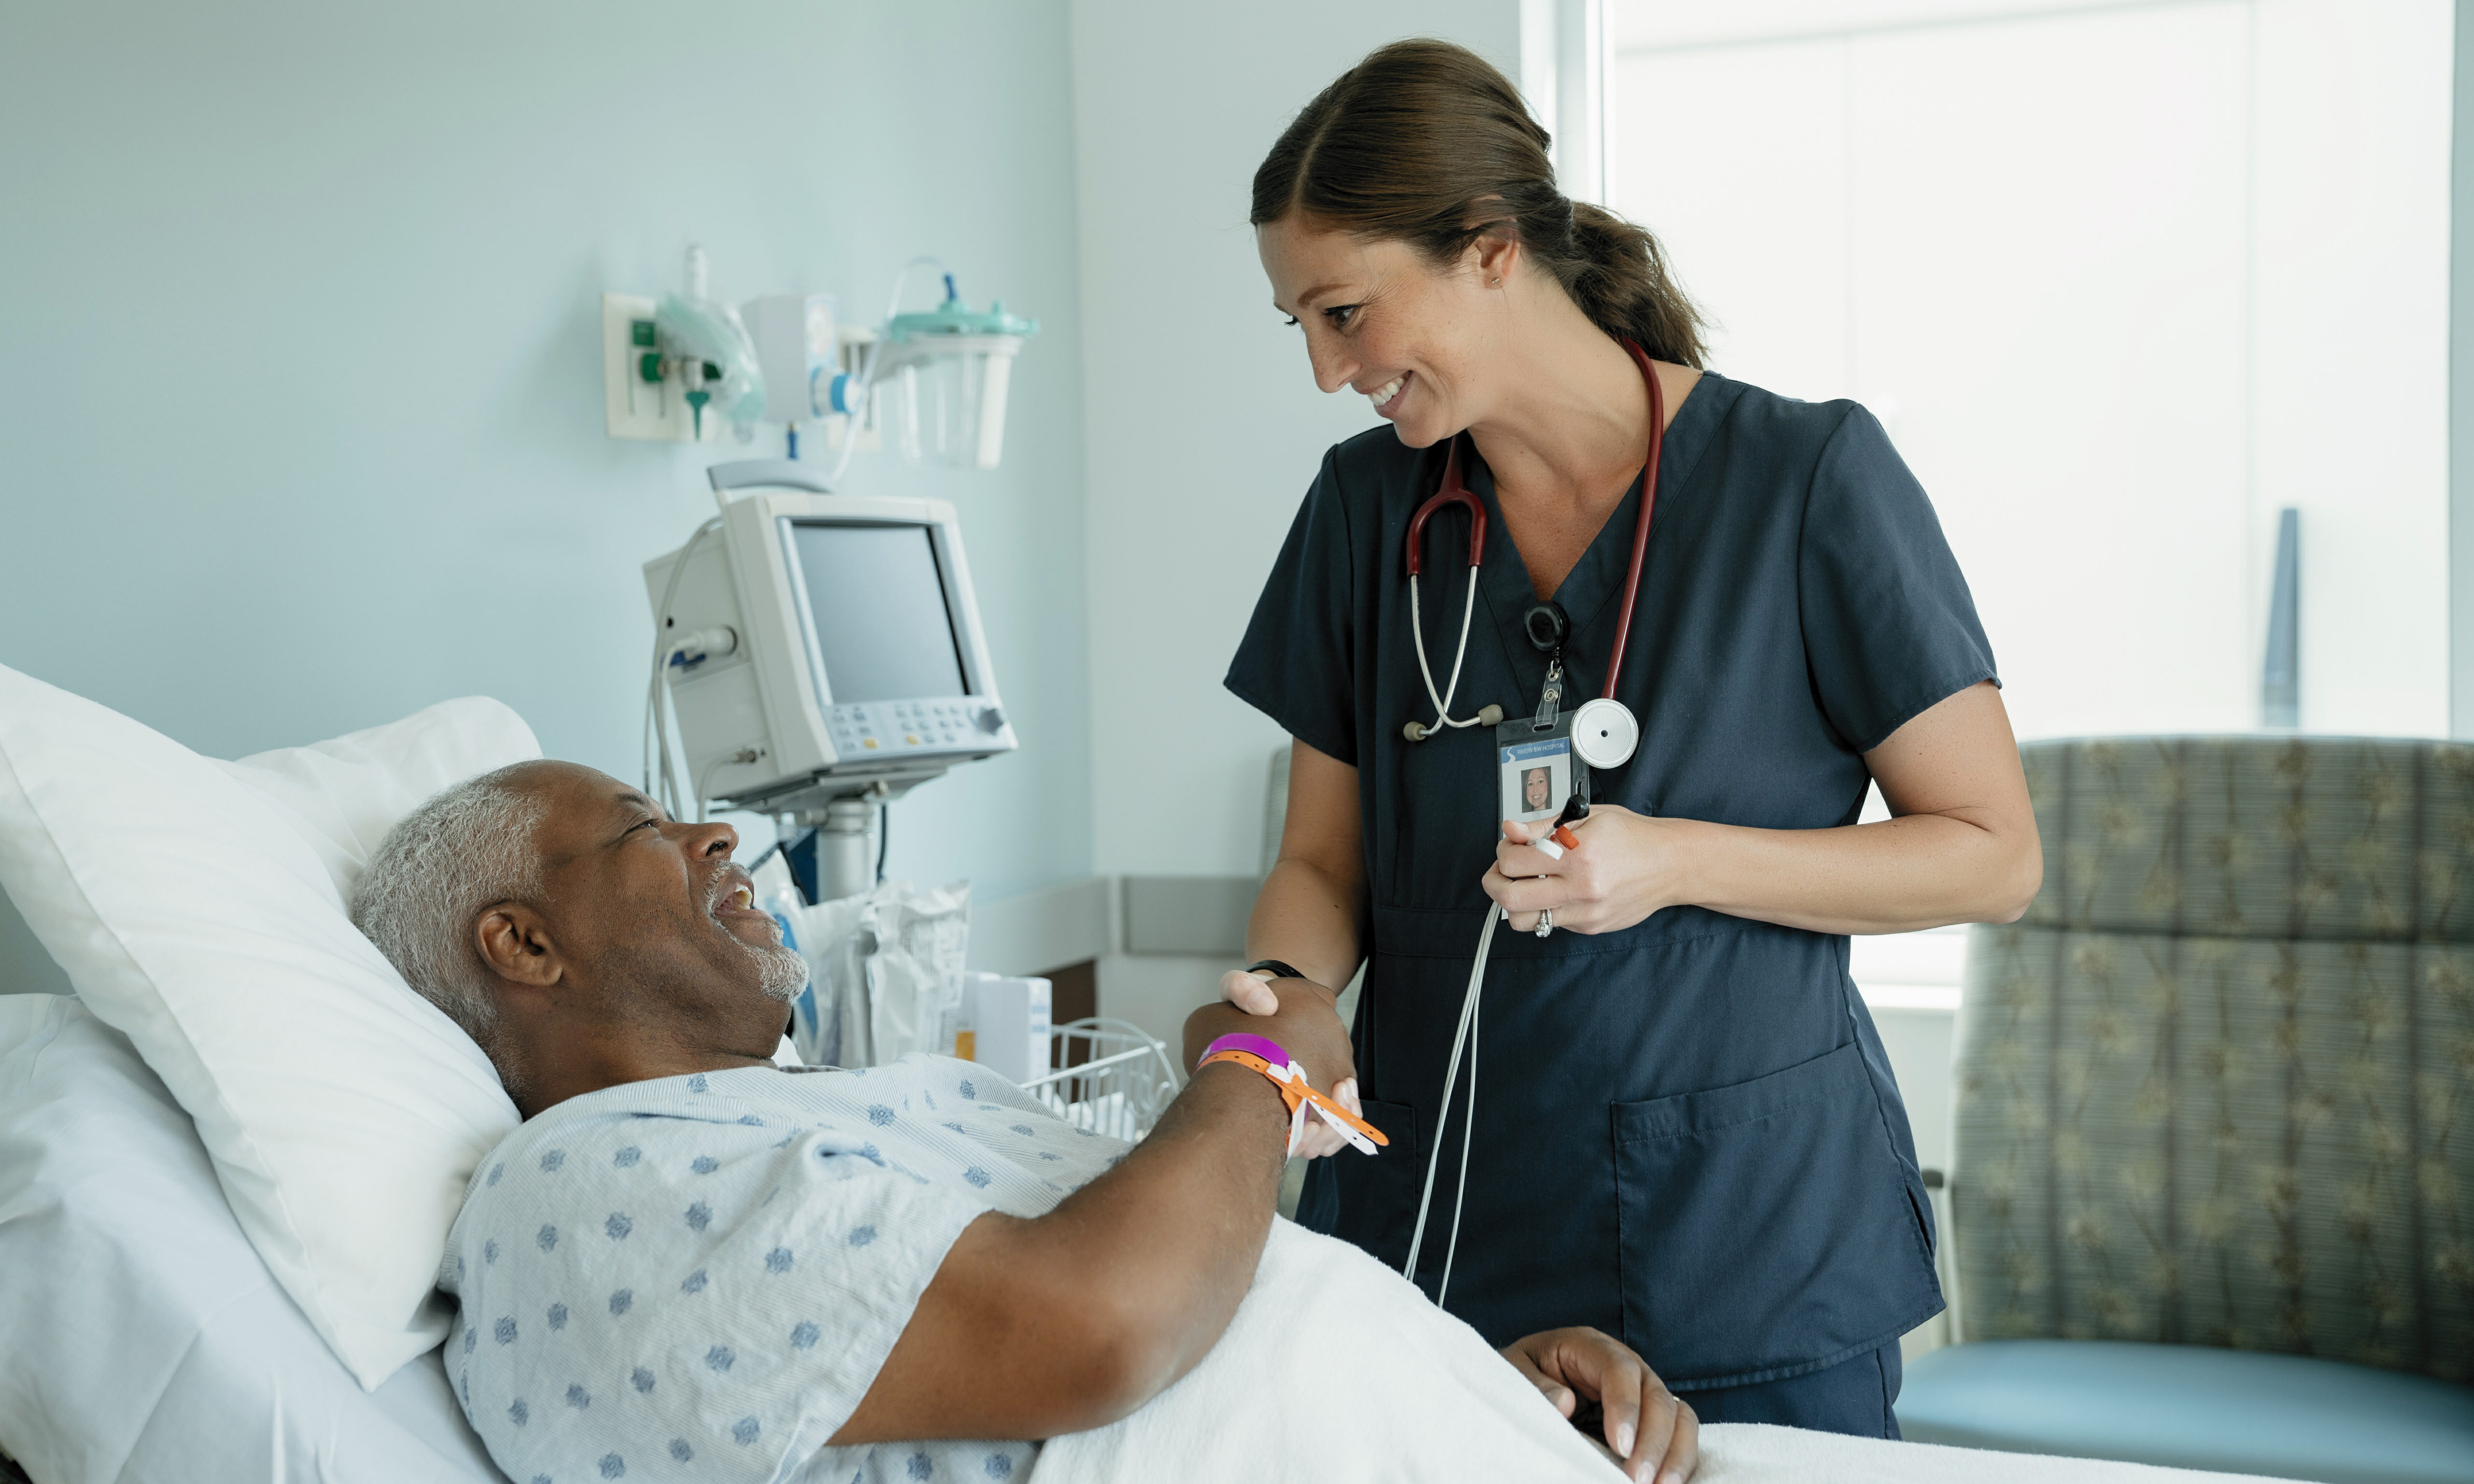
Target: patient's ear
515,942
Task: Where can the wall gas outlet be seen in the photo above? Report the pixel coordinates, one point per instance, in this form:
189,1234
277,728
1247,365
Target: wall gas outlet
636,407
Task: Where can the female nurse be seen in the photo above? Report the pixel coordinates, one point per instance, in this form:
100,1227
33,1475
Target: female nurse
1686,1132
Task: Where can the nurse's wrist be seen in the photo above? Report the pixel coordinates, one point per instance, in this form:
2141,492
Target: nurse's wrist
1686,861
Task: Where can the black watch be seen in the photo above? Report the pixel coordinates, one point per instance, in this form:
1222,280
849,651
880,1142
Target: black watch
1278,969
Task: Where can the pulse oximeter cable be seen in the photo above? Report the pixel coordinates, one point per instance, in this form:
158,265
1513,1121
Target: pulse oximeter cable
1554,843
1462,1034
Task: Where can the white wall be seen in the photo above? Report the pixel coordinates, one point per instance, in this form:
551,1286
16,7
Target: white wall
1203,426
1201,422
302,398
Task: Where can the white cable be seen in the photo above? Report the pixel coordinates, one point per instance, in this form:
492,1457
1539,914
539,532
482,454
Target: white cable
1469,1126
893,305
717,765
1418,633
1468,1016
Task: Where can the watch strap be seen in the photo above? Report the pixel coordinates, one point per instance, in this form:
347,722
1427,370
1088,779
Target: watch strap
1276,969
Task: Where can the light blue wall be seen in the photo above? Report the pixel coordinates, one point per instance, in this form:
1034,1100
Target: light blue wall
301,419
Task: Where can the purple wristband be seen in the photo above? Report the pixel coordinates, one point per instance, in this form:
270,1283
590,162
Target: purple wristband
1270,1051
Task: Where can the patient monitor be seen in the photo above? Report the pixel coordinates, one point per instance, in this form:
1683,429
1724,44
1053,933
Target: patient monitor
821,649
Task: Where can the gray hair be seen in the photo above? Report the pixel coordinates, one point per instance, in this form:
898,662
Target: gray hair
464,849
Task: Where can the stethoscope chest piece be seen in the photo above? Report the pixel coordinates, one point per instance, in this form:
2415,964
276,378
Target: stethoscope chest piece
1604,733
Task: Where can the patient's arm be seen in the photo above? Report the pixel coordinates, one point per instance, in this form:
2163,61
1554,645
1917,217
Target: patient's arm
1074,1319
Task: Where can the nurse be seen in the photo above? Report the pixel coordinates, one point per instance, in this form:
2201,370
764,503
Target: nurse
1686,1132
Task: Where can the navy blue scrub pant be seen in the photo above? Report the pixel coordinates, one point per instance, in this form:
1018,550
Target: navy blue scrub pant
1852,1397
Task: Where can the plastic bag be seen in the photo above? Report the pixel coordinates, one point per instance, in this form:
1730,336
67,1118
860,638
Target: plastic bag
884,969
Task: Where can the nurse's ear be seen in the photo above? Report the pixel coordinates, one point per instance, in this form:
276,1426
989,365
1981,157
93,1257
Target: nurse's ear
1494,257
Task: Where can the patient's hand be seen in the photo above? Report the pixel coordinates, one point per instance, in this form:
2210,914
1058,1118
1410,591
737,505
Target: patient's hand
1304,1021
1259,997
1651,1430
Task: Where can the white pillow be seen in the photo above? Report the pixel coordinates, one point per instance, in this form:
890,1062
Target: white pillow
198,907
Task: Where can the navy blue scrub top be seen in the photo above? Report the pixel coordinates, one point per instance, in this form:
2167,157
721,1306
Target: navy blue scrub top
1687,1134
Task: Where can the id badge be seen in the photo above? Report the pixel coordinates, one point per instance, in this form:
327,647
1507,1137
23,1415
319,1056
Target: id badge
1536,768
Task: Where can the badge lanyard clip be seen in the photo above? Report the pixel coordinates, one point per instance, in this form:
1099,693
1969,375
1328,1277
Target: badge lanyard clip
1550,700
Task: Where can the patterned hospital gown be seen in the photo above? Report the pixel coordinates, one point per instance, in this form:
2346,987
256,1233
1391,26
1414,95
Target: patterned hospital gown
698,1277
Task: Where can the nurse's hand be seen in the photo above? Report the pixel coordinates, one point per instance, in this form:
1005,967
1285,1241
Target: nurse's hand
1308,1029
1625,868
1653,1432
1258,996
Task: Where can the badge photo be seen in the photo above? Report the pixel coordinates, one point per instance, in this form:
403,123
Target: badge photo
1537,776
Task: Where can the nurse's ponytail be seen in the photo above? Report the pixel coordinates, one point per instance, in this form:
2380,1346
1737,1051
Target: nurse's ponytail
1427,143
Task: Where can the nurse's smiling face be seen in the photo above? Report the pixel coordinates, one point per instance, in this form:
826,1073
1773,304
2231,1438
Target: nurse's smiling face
1383,321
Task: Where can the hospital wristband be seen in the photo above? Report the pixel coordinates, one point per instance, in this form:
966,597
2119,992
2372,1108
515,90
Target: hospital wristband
1262,1046
1300,1095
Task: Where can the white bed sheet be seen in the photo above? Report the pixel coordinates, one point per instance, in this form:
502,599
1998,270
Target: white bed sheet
145,1340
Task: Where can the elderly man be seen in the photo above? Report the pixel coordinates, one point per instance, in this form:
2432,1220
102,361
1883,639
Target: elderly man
690,1262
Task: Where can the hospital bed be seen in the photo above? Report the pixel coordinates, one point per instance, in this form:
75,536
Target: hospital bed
144,1338
153,1347
146,1341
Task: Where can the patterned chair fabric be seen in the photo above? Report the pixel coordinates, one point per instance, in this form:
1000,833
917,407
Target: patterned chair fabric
2217,1086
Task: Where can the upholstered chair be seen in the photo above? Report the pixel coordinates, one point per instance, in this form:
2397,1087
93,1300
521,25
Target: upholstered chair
2212,1190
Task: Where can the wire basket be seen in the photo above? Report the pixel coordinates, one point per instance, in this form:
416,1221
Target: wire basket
1120,1086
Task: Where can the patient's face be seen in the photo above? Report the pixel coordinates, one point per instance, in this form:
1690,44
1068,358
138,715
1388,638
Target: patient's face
647,907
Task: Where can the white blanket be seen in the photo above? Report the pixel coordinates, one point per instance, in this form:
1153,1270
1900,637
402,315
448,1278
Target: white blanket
1334,1369
1751,1453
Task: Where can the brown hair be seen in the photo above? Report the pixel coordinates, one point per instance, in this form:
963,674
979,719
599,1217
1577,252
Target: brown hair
1425,142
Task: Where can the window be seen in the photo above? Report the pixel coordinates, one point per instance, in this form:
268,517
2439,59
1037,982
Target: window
2122,281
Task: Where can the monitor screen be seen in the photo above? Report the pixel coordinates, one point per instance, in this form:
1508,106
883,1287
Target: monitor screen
882,632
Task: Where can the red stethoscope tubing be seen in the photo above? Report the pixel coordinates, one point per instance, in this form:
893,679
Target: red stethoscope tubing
1641,527
1455,491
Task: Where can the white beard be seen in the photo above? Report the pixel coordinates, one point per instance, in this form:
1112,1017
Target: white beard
781,973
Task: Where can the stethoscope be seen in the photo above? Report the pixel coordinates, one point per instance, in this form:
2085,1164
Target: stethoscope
1604,735
1604,731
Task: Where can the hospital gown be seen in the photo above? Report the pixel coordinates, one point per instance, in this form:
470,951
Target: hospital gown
698,1277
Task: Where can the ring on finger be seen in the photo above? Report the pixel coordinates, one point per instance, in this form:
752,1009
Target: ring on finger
1545,922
